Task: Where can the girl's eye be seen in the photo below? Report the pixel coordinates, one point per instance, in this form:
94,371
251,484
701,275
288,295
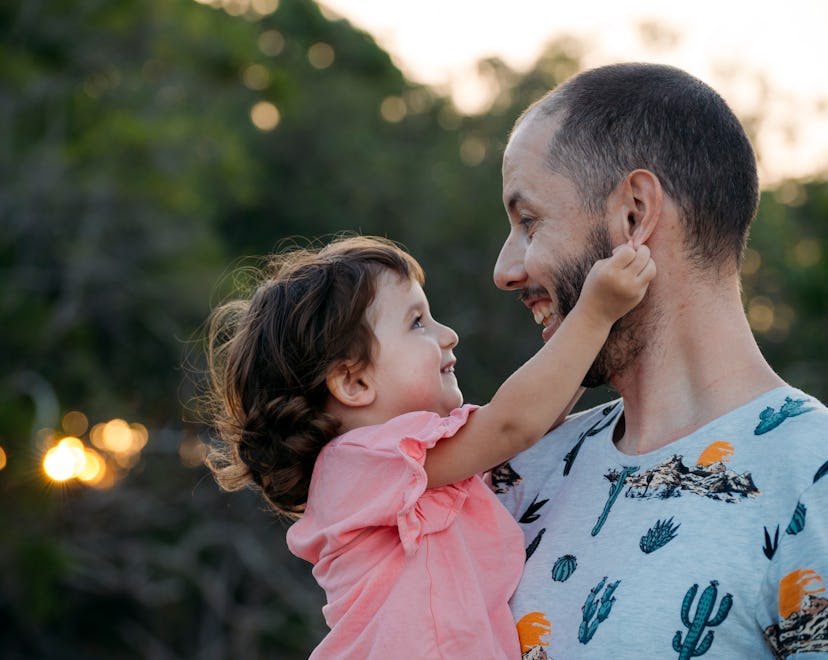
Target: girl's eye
418,322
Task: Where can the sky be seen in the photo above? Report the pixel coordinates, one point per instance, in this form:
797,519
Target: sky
767,59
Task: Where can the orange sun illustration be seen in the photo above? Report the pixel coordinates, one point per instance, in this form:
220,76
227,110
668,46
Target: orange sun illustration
795,586
532,628
717,452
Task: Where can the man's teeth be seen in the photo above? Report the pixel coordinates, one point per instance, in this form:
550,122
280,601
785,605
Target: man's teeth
543,313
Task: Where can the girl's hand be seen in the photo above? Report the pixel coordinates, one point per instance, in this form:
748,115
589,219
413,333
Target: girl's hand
617,284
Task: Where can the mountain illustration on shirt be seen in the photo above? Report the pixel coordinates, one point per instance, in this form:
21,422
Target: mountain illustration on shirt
803,614
709,477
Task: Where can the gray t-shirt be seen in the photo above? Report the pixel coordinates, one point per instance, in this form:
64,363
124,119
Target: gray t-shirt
715,545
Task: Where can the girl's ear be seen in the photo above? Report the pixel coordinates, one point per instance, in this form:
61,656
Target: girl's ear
351,385
641,202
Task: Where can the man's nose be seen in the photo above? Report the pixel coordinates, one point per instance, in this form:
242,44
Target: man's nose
509,272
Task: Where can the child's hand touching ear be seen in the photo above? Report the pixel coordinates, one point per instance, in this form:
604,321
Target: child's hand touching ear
617,284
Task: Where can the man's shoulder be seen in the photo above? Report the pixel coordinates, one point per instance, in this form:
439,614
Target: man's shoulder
794,413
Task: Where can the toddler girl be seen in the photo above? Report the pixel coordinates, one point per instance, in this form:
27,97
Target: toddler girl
339,401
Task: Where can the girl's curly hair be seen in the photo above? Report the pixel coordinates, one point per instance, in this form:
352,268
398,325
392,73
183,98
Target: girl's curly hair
269,356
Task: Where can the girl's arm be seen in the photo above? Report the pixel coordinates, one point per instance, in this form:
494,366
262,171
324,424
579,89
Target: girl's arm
537,394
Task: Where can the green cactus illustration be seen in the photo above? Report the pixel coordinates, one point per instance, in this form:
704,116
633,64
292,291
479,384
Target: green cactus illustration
797,523
691,647
614,492
769,419
658,536
595,614
564,567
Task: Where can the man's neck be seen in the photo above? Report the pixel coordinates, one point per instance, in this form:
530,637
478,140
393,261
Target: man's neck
702,363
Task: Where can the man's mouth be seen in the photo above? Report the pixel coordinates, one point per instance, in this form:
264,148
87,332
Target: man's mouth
449,368
546,316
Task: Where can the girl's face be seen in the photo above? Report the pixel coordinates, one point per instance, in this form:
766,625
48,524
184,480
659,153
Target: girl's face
413,365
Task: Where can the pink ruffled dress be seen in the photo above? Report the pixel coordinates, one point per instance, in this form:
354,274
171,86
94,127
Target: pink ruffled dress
409,572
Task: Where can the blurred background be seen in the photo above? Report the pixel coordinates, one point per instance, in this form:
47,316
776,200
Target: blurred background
149,148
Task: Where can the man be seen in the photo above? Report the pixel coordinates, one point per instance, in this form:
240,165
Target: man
690,517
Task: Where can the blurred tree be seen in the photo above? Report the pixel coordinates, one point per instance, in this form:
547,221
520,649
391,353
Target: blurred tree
145,148
786,282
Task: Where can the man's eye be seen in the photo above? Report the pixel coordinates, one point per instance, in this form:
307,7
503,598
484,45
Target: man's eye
528,225
418,322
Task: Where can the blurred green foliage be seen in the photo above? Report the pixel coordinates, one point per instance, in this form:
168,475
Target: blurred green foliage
133,181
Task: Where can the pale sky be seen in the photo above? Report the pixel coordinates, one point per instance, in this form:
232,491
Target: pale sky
731,44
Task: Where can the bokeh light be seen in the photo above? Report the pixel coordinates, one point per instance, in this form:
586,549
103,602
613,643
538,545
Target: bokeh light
265,116
264,7
321,55
117,436
117,448
807,252
256,77
3,459
65,460
751,261
271,42
393,109
761,314
75,423
472,151
93,468
192,451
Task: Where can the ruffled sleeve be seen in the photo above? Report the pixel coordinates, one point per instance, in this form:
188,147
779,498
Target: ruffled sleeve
374,477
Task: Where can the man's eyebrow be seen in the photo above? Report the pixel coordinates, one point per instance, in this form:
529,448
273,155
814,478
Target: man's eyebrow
515,198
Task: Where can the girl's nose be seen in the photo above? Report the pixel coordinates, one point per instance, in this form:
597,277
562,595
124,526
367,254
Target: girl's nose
509,272
448,337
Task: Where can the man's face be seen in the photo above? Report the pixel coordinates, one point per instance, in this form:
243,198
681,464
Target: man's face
552,244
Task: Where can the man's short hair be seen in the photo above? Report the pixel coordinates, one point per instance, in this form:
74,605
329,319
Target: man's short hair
623,117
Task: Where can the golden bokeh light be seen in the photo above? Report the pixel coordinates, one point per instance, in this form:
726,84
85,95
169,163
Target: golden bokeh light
264,7
271,43
192,451
761,314
65,460
140,436
117,436
75,423
472,151
790,193
3,460
265,116
807,252
321,55
256,77
117,443
751,261
393,109
94,467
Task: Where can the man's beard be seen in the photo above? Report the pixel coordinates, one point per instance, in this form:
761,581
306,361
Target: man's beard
623,344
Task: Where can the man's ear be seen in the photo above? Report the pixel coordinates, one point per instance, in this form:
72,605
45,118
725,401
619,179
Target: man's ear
640,205
351,385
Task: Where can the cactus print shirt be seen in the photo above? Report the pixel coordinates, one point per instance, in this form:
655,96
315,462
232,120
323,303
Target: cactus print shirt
714,546
409,572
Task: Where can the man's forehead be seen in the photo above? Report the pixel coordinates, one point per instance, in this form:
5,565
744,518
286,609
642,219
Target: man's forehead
530,138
